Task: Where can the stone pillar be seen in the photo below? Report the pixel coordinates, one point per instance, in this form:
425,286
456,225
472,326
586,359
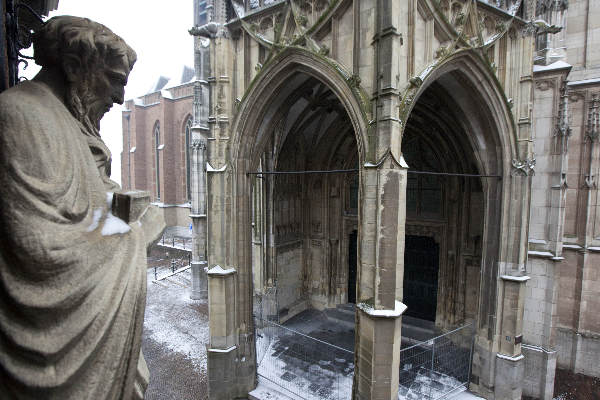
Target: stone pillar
382,218
198,216
381,256
509,361
200,135
509,364
222,327
379,353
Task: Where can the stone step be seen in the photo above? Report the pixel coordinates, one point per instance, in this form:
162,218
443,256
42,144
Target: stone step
348,308
418,322
417,330
340,316
414,334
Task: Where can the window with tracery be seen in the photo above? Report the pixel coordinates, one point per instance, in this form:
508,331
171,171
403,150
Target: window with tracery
188,157
424,193
157,147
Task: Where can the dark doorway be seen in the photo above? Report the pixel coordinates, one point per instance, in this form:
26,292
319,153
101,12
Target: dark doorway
421,264
352,267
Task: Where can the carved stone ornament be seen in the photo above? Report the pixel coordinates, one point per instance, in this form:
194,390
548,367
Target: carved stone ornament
198,144
544,6
73,253
524,168
544,84
210,30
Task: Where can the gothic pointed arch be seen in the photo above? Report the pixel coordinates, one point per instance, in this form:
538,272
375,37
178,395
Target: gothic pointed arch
187,131
157,165
270,86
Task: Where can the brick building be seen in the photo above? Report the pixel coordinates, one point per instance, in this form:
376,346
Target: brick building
156,142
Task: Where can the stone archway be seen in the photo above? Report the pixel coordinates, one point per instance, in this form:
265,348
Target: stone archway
460,114
260,134
448,209
301,222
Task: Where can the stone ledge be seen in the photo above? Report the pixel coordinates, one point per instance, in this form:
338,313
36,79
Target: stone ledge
540,254
395,313
515,278
229,350
510,358
219,271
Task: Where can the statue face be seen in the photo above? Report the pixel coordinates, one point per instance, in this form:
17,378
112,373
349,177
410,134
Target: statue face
108,87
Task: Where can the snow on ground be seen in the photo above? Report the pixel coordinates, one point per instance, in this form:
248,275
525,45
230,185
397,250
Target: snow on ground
464,396
316,382
297,358
432,385
174,320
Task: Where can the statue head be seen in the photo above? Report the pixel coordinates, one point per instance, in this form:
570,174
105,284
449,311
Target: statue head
95,64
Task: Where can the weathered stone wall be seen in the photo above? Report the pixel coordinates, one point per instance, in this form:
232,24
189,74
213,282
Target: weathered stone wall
290,279
562,327
377,79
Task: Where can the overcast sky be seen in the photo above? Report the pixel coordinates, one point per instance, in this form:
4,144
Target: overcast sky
157,30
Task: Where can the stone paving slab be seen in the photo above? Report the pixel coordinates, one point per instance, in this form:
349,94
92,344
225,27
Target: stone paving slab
174,339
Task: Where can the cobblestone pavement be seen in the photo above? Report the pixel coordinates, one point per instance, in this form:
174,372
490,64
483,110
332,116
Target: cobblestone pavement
172,374
174,338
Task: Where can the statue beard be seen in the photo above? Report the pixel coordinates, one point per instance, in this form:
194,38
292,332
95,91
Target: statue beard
79,101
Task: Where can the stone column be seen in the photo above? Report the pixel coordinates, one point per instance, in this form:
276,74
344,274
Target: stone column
222,326
382,218
509,365
198,216
200,135
381,256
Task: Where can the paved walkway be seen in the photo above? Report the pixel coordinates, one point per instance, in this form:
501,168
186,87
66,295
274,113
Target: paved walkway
174,338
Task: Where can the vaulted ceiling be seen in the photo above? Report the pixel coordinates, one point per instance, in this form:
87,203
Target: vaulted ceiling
307,118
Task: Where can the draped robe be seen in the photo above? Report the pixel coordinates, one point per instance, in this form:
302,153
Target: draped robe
72,297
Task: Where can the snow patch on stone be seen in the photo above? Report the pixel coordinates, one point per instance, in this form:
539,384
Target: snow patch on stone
95,219
218,270
113,225
551,67
396,312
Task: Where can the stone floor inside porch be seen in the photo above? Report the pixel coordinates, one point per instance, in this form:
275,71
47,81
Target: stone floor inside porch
297,357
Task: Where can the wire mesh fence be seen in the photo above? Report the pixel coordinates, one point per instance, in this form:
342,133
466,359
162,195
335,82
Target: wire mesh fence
308,367
303,365
432,369
311,368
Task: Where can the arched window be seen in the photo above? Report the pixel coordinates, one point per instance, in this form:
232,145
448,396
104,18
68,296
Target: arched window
157,146
188,157
424,193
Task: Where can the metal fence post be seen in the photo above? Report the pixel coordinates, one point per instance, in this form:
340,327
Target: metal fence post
432,353
471,356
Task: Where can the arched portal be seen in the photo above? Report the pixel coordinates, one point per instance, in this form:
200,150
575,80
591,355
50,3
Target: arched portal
444,213
471,231
300,112
303,222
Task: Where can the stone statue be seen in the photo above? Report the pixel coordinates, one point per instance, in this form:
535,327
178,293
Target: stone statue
73,248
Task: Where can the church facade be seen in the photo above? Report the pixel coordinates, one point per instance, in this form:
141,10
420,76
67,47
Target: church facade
156,145
436,159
